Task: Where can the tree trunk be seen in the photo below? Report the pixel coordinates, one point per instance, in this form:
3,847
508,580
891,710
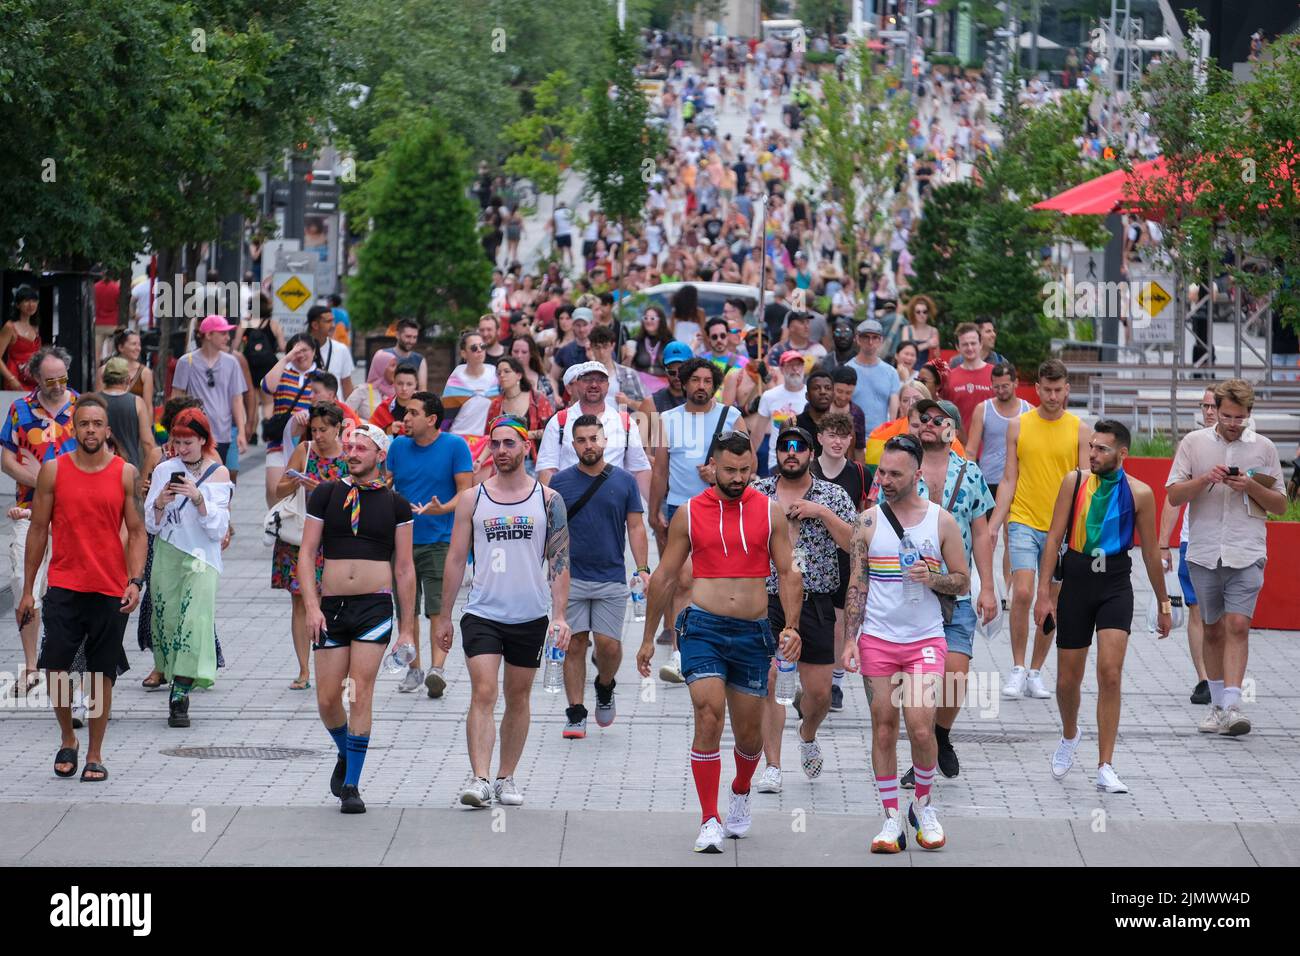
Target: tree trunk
622,275
124,297
167,259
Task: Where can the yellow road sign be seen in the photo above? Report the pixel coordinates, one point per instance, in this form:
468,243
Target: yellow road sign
293,293
1153,298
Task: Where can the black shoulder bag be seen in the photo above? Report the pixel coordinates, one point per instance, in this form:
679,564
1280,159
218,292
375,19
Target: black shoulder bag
1059,573
273,428
947,602
591,490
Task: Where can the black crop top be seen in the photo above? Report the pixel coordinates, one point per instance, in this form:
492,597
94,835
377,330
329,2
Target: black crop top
382,511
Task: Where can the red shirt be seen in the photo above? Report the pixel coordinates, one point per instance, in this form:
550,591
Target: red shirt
546,314
87,554
383,416
966,389
106,294
729,539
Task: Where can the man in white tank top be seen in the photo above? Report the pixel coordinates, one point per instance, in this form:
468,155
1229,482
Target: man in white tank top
895,638
519,532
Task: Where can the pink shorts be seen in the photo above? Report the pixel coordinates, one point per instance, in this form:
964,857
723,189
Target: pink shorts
882,658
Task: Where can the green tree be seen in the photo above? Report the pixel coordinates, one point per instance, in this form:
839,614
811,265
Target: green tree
542,139
939,245
823,16
422,257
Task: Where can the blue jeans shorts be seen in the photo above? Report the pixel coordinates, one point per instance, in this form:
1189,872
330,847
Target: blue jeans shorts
739,652
1185,576
669,511
1026,546
960,634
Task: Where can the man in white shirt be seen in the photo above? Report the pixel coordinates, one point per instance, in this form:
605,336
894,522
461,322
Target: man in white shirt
334,355
781,405
562,227
624,448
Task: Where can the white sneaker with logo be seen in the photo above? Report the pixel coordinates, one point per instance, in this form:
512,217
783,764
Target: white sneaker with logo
710,838
891,838
1063,759
1034,686
738,816
1014,688
1212,722
770,781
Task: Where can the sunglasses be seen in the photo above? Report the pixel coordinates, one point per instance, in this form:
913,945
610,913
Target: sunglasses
55,382
795,445
928,419
212,378
717,337
1208,405
475,348
735,331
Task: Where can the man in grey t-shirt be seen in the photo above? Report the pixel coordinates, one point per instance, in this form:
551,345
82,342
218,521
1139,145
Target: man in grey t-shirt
213,376
877,390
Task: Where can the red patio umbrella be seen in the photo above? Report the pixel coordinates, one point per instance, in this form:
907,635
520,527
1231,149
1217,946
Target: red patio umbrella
1105,194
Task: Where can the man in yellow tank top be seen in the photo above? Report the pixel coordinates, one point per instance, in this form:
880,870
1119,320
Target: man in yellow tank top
1043,446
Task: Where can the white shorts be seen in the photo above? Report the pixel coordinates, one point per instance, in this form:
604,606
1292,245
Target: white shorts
276,459
18,558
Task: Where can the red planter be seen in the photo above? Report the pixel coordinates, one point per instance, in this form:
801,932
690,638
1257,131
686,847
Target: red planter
1278,606
1155,472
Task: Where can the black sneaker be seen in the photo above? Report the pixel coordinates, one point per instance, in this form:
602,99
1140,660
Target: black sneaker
351,801
336,778
909,779
179,715
949,766
1201,695
837,699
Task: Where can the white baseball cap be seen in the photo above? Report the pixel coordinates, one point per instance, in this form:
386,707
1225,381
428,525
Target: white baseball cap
574,372
376,434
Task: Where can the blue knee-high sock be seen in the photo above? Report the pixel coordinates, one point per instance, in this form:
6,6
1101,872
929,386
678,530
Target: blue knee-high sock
340,735
357,746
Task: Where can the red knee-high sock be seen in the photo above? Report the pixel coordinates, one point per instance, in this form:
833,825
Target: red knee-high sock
745,767
924,780
706,768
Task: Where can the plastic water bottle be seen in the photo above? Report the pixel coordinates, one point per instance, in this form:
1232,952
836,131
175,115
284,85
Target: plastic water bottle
908,555
638,598
553,677
399,658
787,680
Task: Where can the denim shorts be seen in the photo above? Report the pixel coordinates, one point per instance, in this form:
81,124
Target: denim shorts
669,511
1185,577
1026,546
960,634
739,652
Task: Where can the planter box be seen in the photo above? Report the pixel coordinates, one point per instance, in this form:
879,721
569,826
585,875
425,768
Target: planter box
1278,606
1155,472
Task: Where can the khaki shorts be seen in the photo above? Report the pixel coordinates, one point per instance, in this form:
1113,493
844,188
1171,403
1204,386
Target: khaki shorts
18,558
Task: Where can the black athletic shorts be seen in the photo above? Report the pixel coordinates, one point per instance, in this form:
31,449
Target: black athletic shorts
520,644
564,242
993,490
363,618
1093,600
73,617
816,626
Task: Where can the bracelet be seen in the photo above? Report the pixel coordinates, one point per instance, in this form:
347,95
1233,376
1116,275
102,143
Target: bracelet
643,569
1165,548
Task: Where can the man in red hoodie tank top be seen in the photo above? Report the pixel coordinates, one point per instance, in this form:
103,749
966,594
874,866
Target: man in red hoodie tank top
730,533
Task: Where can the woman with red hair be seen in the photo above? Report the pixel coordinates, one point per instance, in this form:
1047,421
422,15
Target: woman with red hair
188,510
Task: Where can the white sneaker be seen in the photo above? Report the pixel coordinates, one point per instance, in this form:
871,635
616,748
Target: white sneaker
1014,688
891,838
1235,723
810,758
929,834
671,673
507,793
1034,686
79,711
1063,759
477,794
412,679
1213,720
1108,781
710,838
770,781
738,817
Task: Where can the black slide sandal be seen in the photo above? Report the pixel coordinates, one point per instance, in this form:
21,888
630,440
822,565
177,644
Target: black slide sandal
94,768
65,755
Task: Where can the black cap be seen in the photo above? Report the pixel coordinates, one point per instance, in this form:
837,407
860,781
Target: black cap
795,430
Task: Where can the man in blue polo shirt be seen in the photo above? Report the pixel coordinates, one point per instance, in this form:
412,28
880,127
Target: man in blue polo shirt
429,468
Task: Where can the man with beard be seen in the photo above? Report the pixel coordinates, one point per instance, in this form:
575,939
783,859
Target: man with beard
895,631
601,501
366,529
1095,516
727,643
820,521
518,529
780,405
843,345
821,392
82,501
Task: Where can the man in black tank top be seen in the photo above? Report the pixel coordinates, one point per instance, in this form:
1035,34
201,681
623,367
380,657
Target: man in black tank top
132,435
364,526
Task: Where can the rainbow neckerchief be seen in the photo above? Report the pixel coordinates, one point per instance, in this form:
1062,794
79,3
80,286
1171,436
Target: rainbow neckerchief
1103,515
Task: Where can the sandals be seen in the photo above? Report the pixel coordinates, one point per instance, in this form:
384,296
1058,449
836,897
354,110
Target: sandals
94,768
65,755
301,683
150,684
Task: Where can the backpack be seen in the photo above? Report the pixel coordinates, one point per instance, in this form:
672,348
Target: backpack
563,416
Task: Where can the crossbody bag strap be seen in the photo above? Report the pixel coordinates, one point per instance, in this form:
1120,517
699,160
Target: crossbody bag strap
892,519
957,487
202,478
591,490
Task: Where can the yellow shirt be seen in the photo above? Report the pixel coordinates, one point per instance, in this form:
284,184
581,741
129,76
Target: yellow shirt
1045,452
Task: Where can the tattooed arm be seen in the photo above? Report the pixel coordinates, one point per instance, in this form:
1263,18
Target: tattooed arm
557,557
957,578
137,540
855,601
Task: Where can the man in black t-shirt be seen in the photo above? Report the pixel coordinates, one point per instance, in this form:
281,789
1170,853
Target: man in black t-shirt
366,531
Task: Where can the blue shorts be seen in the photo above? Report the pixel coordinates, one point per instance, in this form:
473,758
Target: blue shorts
669,511
1026,546
960,634
1185,577
739,652
232,454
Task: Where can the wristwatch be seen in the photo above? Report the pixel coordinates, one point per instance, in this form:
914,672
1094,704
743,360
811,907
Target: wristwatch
138,582
1166,606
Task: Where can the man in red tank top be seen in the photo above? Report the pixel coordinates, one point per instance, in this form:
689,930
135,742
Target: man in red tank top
83,498
730,532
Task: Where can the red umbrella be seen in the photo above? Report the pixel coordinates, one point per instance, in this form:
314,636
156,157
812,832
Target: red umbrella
1105,194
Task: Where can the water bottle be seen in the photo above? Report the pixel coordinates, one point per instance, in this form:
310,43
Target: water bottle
553,676
399,659
908,555
787,680
638,598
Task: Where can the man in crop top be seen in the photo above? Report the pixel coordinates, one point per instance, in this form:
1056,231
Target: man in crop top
367,531
733,535
519,533
896,632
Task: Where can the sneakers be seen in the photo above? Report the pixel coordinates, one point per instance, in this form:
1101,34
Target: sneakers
738,818
1213,720
891,838
477,794
1063,759
770,781
1015,685
710,838
507,792
837,699
1201,692
79,710
929,835
1235,723
810,758
575,729
336,778
350,800
671,673
179,715
605,711
412,679
435,683
908,780
1034,686
1108,781
949,765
